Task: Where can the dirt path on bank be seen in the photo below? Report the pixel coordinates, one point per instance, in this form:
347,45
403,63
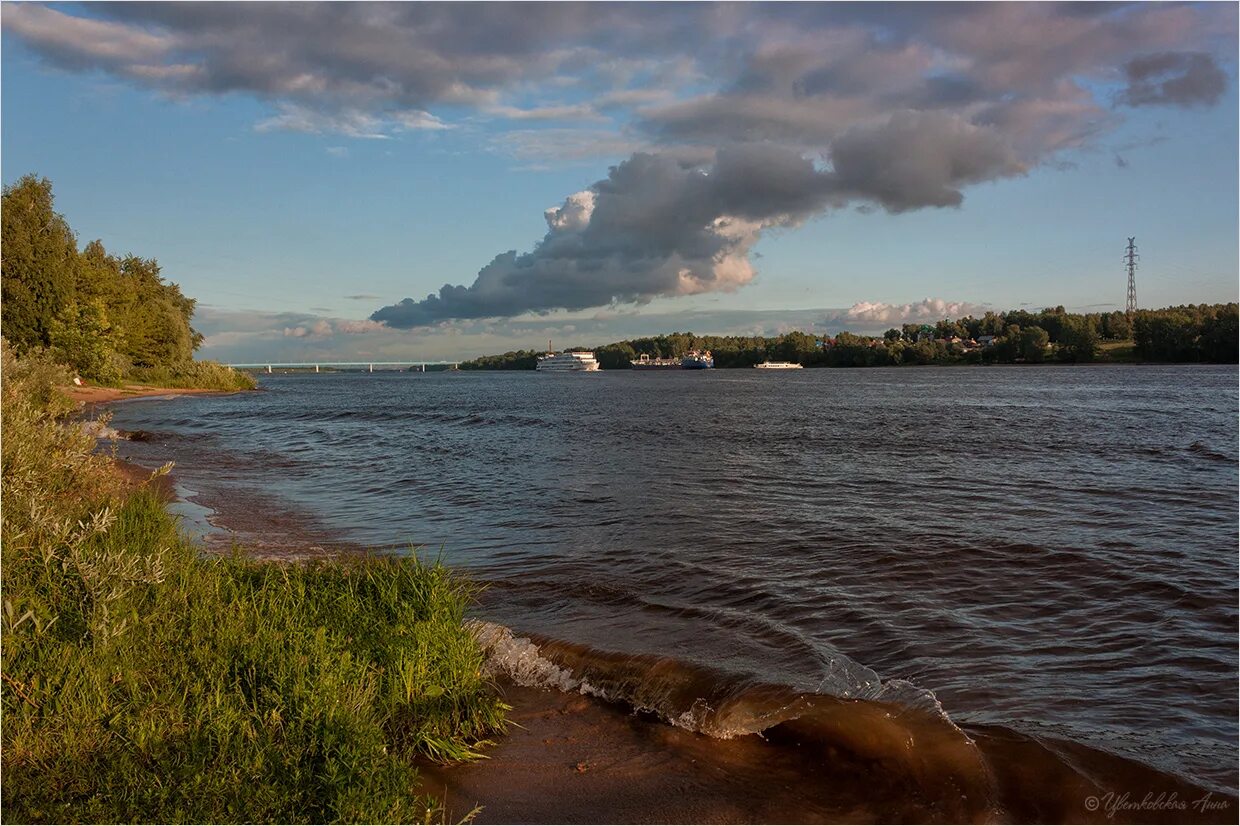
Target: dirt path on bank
88,394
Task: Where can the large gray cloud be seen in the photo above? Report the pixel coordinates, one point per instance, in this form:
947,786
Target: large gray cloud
652,227
740,117
656,227
367,57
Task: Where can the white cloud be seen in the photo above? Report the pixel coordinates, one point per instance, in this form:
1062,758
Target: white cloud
352,123
578,111
869,315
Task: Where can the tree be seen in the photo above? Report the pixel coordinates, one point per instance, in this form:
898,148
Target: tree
1165,335
39,266
1007,346
1117,326
992,324
1078,340
82,337
616,356
1033,341
1219,335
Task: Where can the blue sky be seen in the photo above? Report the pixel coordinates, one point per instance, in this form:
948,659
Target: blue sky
294,196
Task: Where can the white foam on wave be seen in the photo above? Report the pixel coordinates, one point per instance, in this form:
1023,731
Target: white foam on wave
518,659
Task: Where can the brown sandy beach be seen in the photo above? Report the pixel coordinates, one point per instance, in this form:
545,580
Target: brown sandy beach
575,759
89,394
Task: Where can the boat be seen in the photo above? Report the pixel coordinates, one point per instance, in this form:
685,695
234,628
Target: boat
778,365
645,362
575,361
698,360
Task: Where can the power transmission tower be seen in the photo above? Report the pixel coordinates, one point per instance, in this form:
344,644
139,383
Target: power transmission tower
1131,260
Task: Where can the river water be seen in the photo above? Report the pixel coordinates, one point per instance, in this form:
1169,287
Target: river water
1050,550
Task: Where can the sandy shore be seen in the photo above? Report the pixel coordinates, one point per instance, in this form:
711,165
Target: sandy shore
574,759
98,395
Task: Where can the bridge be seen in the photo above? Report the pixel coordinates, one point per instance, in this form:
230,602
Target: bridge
369,366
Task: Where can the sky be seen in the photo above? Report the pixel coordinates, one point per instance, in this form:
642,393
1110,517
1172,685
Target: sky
398,181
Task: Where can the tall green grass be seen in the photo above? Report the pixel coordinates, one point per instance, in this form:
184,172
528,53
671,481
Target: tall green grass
143,681
205,375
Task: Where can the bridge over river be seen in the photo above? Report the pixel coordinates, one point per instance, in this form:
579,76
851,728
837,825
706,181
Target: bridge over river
368,366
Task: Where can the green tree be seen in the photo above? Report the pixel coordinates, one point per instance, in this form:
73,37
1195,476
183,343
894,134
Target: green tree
1117,326
1219,336
1007,346
1033,341
1165,335
82,337
1078,340
39,265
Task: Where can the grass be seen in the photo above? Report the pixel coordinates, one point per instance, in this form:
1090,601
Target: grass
1118,351
206,375
143,681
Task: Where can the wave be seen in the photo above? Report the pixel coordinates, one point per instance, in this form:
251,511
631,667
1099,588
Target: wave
400,415
890,735
1205,451
858,720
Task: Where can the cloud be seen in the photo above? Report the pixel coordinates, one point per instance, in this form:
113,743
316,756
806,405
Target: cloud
83,43
352,328
347,62
920,159
653,227
338,151
579,111
1174,78
353,123
783,72
320,328
732,119
871,315
657,227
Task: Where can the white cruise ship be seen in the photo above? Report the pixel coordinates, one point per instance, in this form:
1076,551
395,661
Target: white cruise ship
778,365
568,362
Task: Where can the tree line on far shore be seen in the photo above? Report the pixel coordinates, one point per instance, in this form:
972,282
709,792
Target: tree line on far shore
1190,333
108,317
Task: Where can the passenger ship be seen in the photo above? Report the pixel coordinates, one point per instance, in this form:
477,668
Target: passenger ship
778,365
572,362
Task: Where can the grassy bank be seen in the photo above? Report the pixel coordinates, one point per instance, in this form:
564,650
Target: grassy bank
197,375
142,681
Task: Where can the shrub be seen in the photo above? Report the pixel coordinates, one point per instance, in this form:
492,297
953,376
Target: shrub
207,375
144,682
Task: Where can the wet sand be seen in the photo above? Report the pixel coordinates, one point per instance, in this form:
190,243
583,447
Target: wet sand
574,759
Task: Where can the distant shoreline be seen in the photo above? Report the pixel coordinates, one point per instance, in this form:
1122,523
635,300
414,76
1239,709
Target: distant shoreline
951,364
